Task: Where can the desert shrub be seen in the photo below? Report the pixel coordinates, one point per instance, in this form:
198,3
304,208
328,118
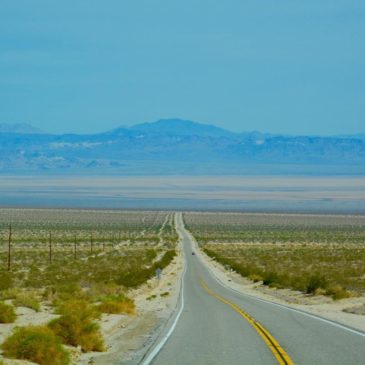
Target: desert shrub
34,278
76,326
270,278
9,293
37,344
61,293
337,292
99,290
255,278
27,300
138,276
315,282
7,313
6,280
166,259
116,304
134,278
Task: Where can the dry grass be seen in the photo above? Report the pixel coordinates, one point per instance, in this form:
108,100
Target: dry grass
117,304
37,344
7,313
28,300
77,327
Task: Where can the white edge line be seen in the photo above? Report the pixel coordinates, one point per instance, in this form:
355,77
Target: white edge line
283,306
164,339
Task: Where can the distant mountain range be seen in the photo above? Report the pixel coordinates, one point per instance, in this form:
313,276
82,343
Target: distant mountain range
175,146
21,128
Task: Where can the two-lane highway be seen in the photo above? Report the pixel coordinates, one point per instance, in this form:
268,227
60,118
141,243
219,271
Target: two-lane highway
220,326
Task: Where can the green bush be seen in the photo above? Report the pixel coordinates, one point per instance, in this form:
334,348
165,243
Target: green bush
76,326
270,278
316,282
116,304
338,292
9,293
7,313
27,300
255,278
37,344
6,280
64,292
136,277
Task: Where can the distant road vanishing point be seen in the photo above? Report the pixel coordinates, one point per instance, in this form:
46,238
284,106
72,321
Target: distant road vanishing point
216,325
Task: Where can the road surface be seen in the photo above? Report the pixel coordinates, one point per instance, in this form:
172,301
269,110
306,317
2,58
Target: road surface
220,326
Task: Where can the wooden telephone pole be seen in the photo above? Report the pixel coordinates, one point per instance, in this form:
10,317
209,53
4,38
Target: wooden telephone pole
50,247
9,248
75,249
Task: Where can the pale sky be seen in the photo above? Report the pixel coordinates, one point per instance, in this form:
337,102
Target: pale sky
280,66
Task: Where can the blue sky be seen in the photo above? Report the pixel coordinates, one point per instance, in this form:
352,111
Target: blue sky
282,66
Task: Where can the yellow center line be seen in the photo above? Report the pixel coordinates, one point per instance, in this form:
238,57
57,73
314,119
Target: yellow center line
281,356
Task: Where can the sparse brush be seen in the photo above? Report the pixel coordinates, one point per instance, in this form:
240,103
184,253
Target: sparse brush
7,313
255,278
9,293
64,292
37,344
76,326
338,292
270,278
6,280
116,304
28,300
100,290
316,282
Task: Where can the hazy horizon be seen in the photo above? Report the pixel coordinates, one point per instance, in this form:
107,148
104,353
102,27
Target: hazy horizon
130,125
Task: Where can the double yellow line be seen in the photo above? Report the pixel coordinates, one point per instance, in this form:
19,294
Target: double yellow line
281,356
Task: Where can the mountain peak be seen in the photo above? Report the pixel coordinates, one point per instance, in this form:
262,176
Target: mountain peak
181,127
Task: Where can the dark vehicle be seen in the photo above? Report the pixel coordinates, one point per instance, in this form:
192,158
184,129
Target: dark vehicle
193,253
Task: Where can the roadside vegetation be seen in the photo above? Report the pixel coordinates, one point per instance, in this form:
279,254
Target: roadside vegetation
76,265
313,254
37,344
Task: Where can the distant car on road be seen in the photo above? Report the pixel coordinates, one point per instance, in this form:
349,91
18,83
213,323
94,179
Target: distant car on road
193,253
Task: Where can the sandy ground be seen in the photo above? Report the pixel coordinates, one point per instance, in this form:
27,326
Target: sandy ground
320,305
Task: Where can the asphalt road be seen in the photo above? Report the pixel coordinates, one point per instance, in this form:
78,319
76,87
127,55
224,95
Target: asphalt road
210,329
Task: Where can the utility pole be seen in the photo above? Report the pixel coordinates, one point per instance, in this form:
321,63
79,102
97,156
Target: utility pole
50,248
75,249
9,249
91,243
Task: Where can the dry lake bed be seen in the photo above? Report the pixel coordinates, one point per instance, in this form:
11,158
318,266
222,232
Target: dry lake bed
344,194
